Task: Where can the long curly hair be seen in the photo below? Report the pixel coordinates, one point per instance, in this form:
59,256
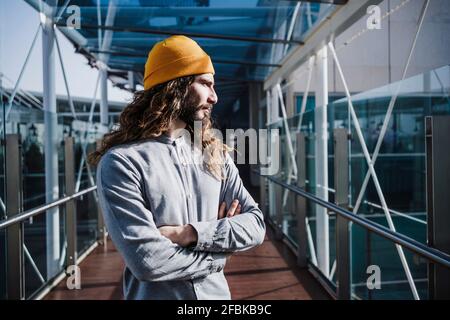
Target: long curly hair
150,114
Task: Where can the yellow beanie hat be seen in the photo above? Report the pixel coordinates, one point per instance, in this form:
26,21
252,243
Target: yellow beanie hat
174,57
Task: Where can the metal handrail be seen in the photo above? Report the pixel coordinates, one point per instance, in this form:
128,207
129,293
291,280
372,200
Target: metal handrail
20,217
411,244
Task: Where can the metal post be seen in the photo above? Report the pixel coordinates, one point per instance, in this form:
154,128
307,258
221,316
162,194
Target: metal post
263,195
101,228
342,225
15,254
107,39
51,143
279,212
71,211
274,116
437,132
321,170
103,96
131,80
301,203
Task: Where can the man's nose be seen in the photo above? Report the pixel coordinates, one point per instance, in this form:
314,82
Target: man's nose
212,98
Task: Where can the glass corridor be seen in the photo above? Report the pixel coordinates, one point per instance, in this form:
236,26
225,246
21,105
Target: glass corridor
400,168
280,65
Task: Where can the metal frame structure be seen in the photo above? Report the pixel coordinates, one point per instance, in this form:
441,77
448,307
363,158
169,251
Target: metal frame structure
314,50
51,145
434,255
55,254
16,251
371,160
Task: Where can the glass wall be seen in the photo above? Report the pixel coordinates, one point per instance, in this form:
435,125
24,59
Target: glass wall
3,273
45,232
396,75
87,205
400,169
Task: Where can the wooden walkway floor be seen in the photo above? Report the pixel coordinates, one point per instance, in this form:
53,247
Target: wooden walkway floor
265,272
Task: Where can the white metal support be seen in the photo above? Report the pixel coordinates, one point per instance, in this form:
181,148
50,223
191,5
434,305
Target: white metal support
107,39
271,105
131,80
329,27
104,96
321,163
311,243
72,107
84,143
292,156
274,106
302,111
305,94
51,143
74,115
373,173
33,264
390,109
291,25
268,107
287,130
308,14
99,22
387,119
333,270
16,87
61,10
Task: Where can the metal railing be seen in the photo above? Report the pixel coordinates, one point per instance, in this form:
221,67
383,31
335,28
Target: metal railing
407,242
438,259
22,217
13,224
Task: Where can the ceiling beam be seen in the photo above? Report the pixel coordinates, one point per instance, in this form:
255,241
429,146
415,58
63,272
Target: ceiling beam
144,56
152,12
338,2
188,34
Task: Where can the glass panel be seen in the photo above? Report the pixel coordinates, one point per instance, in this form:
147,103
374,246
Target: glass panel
400,168
86,205
34,195
38,229
372,253
3,273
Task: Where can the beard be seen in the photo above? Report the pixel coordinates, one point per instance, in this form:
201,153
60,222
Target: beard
189,112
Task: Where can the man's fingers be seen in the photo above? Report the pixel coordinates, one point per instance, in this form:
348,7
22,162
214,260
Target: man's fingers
233,208
222,210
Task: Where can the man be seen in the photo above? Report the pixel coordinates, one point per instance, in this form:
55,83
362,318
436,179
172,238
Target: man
161,205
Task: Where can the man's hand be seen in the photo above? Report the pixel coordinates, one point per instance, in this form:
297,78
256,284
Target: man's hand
184,235
234,209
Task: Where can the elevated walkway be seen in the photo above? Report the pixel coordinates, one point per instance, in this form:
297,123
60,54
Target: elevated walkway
266,272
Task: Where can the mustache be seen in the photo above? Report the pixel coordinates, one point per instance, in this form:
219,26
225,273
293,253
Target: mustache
187,114
206,105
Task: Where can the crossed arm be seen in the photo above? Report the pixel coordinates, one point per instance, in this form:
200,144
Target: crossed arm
154,254
186,235
240,229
